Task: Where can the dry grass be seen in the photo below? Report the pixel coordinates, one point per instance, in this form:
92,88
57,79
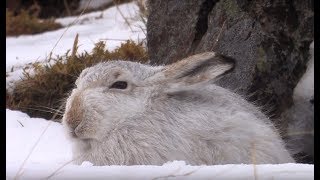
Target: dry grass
41,94
27,22
143,7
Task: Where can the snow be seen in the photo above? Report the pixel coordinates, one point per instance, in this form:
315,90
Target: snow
106,25
54,151
90,27
50,150
305,88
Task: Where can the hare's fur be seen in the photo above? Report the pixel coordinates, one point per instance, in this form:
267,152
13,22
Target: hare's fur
167,113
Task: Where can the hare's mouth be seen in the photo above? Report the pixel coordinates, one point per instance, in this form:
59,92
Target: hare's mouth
73,135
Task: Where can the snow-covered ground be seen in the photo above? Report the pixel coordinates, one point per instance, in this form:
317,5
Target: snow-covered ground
53,150
114,25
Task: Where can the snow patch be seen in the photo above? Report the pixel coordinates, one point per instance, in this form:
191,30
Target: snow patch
108,25
54,152
305,87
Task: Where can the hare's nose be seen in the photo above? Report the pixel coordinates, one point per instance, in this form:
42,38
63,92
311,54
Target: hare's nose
75,114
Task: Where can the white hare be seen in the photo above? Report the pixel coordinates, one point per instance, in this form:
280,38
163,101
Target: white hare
126,113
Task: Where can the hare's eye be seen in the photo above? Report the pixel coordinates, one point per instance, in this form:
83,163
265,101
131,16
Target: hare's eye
119,85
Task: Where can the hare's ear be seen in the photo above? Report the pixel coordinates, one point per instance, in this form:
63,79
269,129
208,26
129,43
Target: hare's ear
198,68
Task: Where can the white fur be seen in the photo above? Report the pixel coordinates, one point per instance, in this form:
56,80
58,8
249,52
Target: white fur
167,113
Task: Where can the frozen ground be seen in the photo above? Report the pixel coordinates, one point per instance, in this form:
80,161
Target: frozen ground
53,150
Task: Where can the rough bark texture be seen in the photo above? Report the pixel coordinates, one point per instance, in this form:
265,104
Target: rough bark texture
268,38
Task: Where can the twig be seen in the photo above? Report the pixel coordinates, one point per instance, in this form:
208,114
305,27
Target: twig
111,39
62,166
125,19
218,37
32,149
75,47
254,161
173,175
73,22
20,123
55,172
34,146
67,7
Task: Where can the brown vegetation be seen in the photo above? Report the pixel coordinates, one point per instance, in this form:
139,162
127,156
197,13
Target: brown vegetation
27,22
41,94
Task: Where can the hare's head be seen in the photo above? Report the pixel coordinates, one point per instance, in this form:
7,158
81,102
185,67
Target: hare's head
110,93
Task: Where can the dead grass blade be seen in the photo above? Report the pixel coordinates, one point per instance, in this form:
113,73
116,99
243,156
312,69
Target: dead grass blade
64,32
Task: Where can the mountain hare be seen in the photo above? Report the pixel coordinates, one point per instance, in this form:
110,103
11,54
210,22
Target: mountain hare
126,113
